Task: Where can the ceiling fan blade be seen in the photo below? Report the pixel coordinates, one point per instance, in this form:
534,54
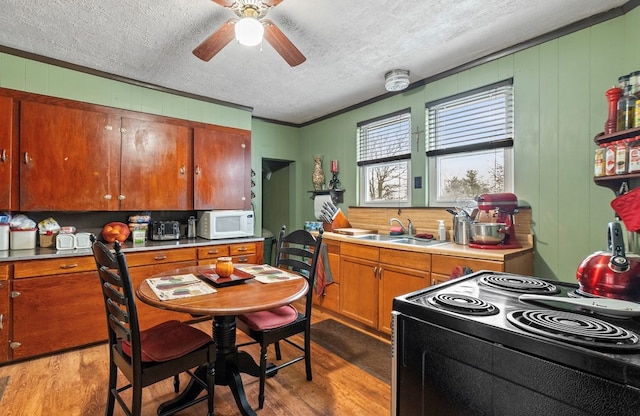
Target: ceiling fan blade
225,3
216,41
282,44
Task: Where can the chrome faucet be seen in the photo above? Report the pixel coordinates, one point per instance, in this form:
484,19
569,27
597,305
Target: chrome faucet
404,229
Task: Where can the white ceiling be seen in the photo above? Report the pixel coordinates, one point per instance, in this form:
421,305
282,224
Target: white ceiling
349,44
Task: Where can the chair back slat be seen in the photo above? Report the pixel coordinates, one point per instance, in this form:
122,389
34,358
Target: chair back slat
114,294
119,328
117,311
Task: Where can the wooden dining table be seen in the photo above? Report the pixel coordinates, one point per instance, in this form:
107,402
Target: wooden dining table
223,306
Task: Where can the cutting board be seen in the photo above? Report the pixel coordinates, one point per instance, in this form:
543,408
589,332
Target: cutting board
353,231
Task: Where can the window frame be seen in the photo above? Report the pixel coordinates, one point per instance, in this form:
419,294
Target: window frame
506,143
403,116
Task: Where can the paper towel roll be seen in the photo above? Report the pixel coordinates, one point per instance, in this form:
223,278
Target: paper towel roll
318,201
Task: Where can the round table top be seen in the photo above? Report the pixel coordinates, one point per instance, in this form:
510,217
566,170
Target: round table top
245,297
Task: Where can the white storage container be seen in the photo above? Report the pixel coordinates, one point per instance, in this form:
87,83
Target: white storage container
4,236
65,242
82,240
22,239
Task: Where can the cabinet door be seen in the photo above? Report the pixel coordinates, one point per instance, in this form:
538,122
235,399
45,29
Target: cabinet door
8,156
53,313
4,320
69,160
156,166
222,176
396,281
359,290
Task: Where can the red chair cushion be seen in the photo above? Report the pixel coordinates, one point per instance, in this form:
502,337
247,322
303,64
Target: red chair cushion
168,340
272,318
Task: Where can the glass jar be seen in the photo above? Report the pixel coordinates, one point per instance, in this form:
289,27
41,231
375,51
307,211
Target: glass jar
626,110
224,267
634,155
599,162
621,157
610,160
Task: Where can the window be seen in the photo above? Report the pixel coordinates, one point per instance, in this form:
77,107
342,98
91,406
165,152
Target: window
470,144
384,158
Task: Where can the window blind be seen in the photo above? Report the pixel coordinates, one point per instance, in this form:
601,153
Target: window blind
477,120
384,139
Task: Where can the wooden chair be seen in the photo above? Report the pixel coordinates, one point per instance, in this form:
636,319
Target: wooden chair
298,252
146,357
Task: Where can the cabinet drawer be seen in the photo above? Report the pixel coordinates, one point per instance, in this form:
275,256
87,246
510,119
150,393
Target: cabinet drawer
409,259
360,251
160,256
49,267
213,252
4,272
240,249
445,264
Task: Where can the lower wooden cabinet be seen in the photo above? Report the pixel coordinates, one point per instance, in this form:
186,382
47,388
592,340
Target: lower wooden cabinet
5,318
371,277
250,253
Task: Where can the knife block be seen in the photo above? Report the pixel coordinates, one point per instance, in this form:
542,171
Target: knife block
339,221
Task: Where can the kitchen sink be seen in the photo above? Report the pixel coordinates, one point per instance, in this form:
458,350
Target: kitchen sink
395,239
376,237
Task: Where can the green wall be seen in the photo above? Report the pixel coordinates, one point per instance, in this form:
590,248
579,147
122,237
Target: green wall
560,106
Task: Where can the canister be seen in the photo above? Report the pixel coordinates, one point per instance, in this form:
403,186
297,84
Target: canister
4,236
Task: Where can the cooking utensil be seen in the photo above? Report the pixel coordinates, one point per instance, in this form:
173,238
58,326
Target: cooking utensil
488,232
603,306
611,274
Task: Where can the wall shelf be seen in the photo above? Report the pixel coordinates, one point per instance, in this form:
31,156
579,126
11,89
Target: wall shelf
336,194
616,182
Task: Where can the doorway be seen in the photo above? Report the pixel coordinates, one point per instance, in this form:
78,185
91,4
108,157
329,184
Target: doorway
275,200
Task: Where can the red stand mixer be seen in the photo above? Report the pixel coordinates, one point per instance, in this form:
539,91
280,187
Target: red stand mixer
494,226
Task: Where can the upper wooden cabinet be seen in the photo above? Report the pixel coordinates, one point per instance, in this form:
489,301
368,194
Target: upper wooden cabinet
155,166
70,158
8,155
222,166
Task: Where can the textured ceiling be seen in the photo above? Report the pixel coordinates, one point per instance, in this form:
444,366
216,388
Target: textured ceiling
349,44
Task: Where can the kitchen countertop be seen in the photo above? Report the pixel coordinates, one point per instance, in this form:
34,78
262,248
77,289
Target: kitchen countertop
128,246
447,248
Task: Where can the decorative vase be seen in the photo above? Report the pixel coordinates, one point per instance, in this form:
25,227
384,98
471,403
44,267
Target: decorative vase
318,175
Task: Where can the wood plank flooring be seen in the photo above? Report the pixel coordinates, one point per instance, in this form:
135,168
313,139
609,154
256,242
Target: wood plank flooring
74,383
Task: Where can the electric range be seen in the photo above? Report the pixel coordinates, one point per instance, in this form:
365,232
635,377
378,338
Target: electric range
471,347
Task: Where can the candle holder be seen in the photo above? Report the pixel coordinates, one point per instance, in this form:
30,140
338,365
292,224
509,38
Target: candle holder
334,183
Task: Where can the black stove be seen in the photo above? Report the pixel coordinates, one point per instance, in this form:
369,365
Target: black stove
471,347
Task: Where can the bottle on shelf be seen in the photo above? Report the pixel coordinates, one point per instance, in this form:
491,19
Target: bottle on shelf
599,162
621,157
626,109
634,155
610,159
442,232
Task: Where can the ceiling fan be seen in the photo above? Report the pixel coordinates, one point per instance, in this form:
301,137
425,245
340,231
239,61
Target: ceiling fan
248,28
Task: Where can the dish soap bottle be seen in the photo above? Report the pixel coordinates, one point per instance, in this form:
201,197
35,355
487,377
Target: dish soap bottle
442,232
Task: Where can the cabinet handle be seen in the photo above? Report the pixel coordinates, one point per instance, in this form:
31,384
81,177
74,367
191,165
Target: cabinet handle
27,159
121,197
197,169
69,266
3,156
1,321
14,294
375,272
107,197
216,251
380,273
242,259
183,169
13,345
242,249
160,258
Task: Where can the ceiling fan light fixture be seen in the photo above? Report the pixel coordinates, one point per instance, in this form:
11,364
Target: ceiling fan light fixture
249,30
396,80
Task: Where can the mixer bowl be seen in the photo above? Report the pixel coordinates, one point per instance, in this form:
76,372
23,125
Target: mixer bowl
488,232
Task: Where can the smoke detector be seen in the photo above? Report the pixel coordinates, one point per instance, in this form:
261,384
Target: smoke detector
396,80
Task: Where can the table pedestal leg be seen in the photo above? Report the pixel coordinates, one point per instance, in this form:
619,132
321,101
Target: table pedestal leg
229,364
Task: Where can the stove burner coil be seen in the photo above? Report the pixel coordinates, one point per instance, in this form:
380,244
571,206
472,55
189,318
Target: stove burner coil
466,305
521,284
575,329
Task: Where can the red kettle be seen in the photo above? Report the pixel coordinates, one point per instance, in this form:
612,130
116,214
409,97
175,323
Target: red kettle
611,275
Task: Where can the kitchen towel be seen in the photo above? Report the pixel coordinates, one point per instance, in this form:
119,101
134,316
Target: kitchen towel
323,271
626,206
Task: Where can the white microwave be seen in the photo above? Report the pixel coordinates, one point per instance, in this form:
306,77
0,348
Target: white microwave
225,224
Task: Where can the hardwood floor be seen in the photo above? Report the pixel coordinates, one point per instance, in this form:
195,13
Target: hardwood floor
74,383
